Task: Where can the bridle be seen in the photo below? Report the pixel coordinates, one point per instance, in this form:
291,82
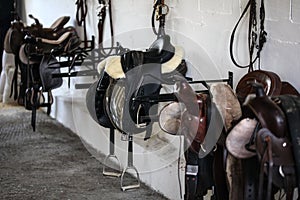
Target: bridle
160,10
255,41
104,6
81,13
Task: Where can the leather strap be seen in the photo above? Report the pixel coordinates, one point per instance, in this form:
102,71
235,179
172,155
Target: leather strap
267,160
102,16
104,4
191,174
291,107
250,169
81,13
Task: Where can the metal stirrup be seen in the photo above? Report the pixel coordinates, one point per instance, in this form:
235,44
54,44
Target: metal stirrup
130,166
111,156
111,173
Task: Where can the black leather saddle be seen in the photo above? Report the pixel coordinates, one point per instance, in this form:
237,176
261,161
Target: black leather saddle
143,77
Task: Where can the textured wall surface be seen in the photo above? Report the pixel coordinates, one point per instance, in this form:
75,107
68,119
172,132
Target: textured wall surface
207,23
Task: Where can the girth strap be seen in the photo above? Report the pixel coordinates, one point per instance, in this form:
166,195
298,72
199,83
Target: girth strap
250,169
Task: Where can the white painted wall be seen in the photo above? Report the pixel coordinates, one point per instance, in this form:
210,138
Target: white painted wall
203,28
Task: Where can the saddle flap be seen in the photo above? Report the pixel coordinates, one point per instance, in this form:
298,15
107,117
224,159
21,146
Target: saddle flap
48,82
268,113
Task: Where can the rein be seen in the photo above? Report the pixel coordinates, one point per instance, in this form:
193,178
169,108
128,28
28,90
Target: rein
255,41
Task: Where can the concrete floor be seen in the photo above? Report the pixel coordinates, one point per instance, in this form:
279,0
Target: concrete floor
52,163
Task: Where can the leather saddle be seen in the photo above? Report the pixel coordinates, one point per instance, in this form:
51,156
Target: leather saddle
134,74
271,83
15,35
200,122
275,145
35,47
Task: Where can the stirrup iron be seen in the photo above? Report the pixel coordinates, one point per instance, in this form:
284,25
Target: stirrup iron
107,172
133,186
130,166
111,156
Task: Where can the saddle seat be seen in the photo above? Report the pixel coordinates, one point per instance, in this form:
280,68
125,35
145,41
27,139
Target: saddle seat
160,52
37,47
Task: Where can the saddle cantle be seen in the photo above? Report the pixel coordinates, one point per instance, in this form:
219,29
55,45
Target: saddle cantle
271,84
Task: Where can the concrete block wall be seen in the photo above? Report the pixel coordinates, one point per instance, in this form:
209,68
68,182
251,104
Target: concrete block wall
202,28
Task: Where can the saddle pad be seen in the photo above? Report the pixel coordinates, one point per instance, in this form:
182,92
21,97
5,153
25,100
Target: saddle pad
227,103
239,136
170,117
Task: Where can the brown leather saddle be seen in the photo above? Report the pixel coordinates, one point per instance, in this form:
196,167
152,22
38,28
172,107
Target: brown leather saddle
274,142
15,36
270,117
194,127
201,123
